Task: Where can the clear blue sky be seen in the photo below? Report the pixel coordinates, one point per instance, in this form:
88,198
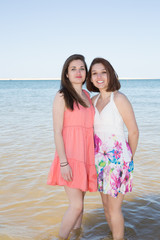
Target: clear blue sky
36,36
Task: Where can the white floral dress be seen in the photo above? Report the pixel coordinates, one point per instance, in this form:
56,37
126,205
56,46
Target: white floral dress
113,157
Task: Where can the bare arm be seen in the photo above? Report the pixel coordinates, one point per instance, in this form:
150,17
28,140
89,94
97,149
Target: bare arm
127,113
58,115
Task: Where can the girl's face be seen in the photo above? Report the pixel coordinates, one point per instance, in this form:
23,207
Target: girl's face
76,72
99,76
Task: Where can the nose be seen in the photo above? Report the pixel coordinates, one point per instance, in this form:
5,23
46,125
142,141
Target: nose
98,75
78,71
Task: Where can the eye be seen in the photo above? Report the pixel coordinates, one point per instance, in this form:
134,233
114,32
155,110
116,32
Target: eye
82,69
93,73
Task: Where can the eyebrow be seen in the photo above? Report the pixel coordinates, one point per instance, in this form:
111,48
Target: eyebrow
96,70
75,66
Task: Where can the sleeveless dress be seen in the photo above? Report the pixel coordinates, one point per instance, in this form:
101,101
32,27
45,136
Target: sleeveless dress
78,137
113,157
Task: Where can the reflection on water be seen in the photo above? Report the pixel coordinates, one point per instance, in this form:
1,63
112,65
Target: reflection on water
29,208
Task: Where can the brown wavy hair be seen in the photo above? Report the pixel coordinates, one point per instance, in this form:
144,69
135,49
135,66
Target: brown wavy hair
69,93
113,84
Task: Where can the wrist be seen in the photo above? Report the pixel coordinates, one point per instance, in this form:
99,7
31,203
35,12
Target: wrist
63,164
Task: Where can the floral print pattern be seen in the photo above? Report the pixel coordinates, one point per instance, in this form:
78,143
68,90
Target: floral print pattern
114,174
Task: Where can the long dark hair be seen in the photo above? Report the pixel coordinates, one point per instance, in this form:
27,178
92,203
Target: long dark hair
69,93
113,84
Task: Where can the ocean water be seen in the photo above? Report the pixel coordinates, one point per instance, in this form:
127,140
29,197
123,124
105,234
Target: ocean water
29,208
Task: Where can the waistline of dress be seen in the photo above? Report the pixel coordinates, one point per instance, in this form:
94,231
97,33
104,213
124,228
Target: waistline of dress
109,132
78,126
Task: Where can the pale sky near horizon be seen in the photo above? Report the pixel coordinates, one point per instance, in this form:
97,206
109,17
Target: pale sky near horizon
36,36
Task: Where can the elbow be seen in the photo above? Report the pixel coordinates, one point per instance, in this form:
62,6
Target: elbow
57,134
134,133
137,132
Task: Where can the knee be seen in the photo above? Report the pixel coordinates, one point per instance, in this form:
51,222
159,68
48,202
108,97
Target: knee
113,212
77,207
107,211
105,208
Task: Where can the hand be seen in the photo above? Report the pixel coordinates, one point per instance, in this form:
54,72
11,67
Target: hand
66,173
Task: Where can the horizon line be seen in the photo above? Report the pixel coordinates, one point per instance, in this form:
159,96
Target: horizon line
23,79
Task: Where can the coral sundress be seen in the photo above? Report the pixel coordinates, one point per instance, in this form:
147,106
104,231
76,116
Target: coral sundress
78,140
113,157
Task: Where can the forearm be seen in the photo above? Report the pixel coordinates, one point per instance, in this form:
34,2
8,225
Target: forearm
133,141
66,171
60,146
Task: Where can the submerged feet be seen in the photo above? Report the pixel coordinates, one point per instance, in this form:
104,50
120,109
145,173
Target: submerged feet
76,234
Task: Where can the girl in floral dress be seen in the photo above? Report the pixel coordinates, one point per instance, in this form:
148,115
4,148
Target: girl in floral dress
113,154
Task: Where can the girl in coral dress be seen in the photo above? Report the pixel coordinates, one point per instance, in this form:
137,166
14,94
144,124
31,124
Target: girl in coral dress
113,154
73,166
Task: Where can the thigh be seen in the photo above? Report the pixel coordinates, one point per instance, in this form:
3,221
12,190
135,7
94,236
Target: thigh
104,198
115,203
75,196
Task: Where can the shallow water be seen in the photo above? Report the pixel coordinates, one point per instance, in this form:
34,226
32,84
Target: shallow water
29,208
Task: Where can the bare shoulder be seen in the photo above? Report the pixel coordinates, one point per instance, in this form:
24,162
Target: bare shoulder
122,103
94,98
59,100
120,98
59,97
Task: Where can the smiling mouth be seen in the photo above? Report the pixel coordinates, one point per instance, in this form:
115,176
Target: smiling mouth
100,81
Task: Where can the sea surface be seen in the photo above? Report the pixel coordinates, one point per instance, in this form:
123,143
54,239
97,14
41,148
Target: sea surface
29,208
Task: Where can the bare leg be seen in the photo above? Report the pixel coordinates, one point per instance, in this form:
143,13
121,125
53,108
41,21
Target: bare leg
79,220
104,198
116,216
73,212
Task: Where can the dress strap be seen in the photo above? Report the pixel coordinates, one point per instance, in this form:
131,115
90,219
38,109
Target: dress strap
112,96
95,102
87,93
88,96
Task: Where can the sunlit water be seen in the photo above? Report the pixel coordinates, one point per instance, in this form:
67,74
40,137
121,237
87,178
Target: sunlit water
29,208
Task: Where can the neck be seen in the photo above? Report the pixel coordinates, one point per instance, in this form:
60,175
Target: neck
104,94
78,89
